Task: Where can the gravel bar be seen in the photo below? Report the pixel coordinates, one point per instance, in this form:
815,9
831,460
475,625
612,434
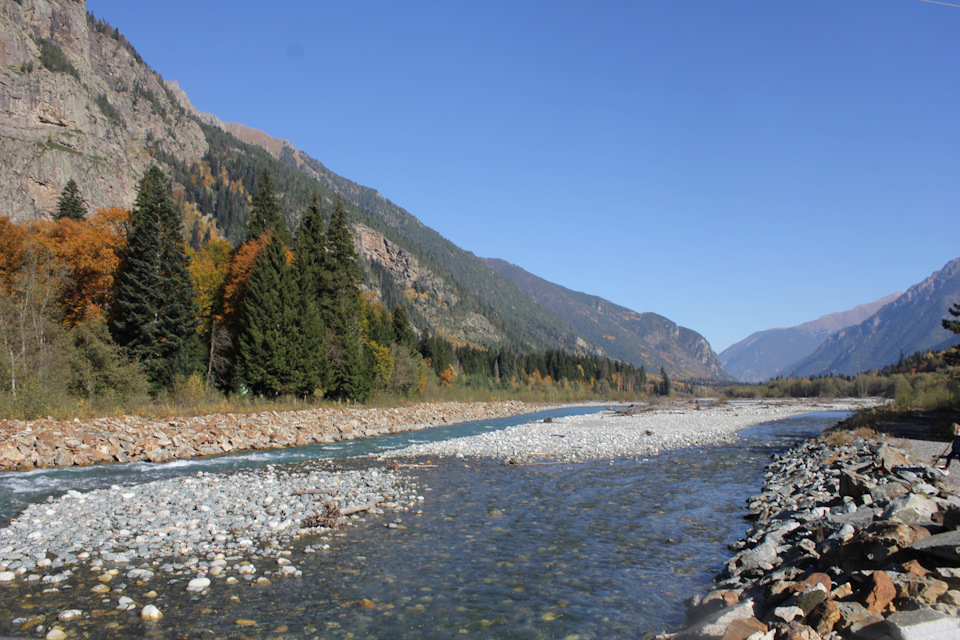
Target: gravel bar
631,431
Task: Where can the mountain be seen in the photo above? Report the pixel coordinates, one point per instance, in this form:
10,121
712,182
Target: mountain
642,338
77,101
908,324
764,354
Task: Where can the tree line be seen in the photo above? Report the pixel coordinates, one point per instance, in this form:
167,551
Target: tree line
115,304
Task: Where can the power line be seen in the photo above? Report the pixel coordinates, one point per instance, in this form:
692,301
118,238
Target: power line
946,4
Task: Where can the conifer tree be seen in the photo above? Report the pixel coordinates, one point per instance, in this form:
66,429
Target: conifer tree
342,309
402,329
267,343
266,214
154,316
309,251
71,204
664,382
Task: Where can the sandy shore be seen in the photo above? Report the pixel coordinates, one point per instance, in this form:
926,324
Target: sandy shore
627,431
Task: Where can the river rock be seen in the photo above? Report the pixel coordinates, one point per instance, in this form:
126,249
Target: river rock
150,612
715,625
198,584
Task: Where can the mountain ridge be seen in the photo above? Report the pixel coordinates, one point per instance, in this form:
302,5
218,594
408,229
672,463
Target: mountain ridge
642,338
908,324
766,354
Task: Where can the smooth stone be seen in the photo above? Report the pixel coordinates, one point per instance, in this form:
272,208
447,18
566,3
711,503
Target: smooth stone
69,614
198,584
150,612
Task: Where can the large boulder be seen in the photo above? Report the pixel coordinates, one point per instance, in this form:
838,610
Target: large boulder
945,546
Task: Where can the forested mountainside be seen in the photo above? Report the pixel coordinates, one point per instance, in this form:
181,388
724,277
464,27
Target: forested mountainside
78,102
765,354
908,324
643,338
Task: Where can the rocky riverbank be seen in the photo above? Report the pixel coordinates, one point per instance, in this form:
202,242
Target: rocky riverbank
135,547
47,443
849,541
636,430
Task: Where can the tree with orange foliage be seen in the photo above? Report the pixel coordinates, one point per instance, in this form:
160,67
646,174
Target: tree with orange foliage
90,251
210,267
447,376
238,277
13,249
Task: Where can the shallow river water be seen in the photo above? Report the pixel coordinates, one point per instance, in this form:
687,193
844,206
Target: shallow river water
592,550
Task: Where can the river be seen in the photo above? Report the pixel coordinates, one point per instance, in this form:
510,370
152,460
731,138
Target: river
591,550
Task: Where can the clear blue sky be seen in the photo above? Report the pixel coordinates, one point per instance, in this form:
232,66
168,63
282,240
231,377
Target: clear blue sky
734,166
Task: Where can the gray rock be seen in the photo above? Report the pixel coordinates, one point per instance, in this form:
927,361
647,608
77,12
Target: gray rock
945,546
923,624
715,624
911,508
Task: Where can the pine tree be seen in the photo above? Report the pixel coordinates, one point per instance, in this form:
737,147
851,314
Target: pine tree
402,329
266,214
71,204
309,251
267,343
664,382
952,355
154,316
341,304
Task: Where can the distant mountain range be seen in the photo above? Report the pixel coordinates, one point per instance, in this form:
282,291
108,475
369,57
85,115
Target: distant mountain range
766,354
908,324
867,337
77,101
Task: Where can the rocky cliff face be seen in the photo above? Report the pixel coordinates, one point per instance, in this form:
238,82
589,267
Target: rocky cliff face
99,118
425,290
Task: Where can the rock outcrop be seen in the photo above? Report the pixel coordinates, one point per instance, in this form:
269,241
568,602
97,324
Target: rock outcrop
430,294
100,117
849,542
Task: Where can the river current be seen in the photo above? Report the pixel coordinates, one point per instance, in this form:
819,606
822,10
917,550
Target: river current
591,550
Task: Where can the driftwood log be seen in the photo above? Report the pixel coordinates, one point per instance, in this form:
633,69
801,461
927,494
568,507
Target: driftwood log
332,516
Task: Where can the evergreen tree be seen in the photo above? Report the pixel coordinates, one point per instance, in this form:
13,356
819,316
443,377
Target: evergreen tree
664,382
266,214
267,343
952,355
71,204
154,317
309,251
402,329
341,305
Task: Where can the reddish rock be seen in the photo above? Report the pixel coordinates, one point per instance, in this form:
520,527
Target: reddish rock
743,628
813,580
881,592
925,589
915,568
825,616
